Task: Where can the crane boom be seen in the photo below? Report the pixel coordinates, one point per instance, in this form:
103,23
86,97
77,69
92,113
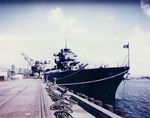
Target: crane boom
29,60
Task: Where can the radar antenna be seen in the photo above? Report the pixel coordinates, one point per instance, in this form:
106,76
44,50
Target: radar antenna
66,42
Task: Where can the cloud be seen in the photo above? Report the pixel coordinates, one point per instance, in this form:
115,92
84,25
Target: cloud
111,17
64,24
146,7
56,16
140,49
141,37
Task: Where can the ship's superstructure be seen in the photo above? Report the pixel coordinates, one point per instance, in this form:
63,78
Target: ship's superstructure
66,60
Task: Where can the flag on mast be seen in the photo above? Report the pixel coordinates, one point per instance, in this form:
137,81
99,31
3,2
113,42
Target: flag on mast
126,46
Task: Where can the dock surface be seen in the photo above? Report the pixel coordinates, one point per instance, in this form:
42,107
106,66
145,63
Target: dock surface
27,98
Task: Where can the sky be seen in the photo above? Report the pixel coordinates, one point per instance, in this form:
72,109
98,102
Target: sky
95,31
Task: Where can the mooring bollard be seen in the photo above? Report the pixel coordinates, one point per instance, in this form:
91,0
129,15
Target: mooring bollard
54,82
109,107
121,113
46,78
91,99
49,87
67,89
63,87
71,91
54,86
86,97
61,90
81,95
77,94
99,103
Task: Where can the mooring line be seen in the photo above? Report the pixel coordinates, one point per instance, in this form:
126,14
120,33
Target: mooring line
70,74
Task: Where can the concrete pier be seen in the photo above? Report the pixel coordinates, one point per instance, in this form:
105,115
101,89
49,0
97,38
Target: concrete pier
27,98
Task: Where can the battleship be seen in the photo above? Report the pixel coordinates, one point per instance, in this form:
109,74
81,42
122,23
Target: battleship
99,83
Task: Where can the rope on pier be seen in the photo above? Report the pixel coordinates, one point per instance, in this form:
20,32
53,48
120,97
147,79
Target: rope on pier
101,79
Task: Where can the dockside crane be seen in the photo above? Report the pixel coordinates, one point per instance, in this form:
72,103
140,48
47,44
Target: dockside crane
37,67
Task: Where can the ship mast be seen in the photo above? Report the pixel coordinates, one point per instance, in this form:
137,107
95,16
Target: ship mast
128,56
65,42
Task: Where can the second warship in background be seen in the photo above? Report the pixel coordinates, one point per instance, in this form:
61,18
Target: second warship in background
99,83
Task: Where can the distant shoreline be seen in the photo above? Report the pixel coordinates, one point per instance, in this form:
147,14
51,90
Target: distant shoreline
139,78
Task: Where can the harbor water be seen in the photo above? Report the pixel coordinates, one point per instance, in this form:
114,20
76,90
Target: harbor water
133,96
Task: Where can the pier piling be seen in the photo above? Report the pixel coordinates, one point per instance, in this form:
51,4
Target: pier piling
91,99
86,97
99,103
121,113
109,107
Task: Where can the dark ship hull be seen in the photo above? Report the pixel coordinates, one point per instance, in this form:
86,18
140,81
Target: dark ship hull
100,83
